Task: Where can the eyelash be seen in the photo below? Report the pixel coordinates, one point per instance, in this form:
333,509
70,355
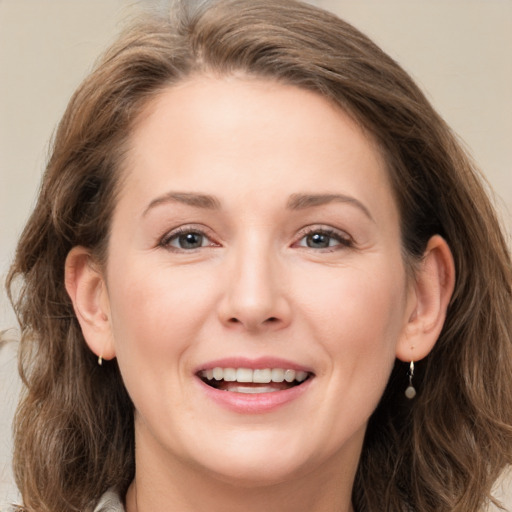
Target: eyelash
343,240
166,240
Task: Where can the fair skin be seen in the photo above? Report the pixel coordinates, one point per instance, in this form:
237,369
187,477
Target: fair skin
255,229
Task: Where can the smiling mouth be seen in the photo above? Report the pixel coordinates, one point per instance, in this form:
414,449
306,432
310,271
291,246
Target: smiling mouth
246,380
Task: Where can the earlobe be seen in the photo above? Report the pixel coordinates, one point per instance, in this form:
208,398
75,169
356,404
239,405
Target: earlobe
86,288
430,295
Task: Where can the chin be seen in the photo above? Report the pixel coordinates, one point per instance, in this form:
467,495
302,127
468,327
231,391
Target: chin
261,474
255,464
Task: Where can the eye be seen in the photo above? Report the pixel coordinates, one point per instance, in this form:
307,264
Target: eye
186,239
324,239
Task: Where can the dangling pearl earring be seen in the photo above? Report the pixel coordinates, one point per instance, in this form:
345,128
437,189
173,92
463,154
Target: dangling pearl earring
410,392
100,360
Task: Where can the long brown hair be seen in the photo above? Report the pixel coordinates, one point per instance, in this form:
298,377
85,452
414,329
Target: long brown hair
74,425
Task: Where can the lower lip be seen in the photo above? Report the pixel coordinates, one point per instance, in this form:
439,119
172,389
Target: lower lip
257,403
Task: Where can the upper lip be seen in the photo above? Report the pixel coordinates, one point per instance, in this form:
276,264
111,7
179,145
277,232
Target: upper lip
254,364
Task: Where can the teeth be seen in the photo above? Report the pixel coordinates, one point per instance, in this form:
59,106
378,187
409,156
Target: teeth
249,390
289,375
301,376
259,376
243,375
262,376
229,374
277,375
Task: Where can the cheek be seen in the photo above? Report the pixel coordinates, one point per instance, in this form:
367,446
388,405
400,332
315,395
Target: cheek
158,311
359,317
352,299
154,318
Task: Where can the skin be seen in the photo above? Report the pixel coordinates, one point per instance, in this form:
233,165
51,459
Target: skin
257,286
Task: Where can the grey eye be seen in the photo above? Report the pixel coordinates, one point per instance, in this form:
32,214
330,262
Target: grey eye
319,240
190,240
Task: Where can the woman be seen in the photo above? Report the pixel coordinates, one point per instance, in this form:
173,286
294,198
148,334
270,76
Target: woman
254,235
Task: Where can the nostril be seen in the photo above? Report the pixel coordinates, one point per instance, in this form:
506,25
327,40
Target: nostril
254,324
271,319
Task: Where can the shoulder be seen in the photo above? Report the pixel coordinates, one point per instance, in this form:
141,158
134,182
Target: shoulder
110,502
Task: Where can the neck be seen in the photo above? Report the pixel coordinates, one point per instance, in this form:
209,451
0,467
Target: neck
292,499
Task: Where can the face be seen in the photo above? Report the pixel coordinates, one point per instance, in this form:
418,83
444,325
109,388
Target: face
255,286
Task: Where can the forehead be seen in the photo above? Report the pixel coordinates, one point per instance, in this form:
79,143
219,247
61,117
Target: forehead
213,133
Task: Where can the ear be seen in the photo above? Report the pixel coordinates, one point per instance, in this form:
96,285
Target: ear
86,287
431,289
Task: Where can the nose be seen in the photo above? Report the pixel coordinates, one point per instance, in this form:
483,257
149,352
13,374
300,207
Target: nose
255,297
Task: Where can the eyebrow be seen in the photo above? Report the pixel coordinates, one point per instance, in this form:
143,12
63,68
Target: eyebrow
295,201
303,201
197,200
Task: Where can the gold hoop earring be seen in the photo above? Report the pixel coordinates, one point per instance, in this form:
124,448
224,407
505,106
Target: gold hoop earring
410,392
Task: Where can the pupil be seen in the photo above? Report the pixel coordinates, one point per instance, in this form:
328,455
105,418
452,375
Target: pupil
318,240
191,240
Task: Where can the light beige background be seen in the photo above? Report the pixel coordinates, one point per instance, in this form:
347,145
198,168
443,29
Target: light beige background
459,51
